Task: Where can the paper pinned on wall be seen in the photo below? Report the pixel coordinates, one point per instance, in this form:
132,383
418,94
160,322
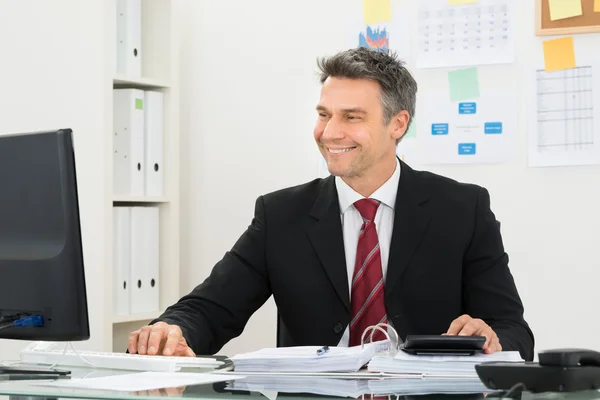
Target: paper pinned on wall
458,2
376,11
468,132
597,5
561,9
565,128
559,54
472,34
464,84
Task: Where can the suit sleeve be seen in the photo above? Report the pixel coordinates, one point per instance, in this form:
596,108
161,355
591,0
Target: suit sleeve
218,309
489,291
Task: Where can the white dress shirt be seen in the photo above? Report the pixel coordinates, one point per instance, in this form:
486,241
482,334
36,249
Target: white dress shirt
352,222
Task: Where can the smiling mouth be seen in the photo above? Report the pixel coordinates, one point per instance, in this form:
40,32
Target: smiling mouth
340,151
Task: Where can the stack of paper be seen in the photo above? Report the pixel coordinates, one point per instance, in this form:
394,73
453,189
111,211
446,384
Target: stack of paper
299,384
306,359
423,386
438,366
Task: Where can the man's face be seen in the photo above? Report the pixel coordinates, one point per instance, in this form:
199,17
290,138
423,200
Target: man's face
350,130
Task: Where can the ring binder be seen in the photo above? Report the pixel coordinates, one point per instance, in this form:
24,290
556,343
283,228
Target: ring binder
394,342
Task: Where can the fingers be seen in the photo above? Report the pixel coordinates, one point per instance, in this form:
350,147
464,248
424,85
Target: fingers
457,325
151,337
494,345
155,339
189,353
174,335
133,341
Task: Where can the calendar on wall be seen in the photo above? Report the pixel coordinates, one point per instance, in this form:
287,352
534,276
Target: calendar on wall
467,34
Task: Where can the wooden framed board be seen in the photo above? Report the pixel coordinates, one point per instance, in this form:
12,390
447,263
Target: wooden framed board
588,22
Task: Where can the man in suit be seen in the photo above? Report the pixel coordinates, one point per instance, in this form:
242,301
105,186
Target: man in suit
376,242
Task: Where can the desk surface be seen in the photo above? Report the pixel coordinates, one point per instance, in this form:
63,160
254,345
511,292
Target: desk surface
18,389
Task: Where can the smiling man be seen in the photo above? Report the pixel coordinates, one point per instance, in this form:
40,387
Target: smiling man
375,242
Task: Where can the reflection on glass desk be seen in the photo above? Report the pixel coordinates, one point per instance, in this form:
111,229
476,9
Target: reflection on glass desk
250,388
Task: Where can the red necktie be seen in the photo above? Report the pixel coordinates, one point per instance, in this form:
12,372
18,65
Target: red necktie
367,296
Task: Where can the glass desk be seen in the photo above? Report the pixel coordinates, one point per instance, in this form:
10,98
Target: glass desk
31,390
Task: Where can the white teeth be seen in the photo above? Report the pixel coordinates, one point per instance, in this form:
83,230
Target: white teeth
340,150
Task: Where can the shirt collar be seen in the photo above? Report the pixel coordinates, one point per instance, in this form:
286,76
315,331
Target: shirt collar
386,193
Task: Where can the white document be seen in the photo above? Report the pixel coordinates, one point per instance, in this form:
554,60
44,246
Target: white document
483,130
129,38
565,129
153,136
128,142
307,359
469,34
144,260
451,367
122,259
141,381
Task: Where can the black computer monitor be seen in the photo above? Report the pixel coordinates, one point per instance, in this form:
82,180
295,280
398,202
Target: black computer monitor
42,280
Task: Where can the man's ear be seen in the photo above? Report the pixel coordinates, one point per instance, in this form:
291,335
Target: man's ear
399,124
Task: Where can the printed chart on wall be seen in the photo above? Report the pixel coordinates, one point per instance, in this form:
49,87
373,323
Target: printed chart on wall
381,27
458,33
566,128
481,130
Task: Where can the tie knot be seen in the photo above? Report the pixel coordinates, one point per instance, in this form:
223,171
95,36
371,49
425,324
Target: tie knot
367,208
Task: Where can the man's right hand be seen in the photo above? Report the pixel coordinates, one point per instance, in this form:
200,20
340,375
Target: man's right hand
159,339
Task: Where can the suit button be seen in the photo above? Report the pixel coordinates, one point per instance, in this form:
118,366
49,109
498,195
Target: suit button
338,328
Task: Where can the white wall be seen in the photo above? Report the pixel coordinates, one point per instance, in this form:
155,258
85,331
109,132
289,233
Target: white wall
248,94
51,76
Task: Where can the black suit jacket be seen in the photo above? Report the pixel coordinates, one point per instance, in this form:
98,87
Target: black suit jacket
446,259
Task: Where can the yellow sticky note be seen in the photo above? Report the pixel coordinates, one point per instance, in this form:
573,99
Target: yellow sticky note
559,54
458,2
561,9
376,11
597,5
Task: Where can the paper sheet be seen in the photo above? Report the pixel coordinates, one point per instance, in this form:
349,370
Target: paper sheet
375,11
463,35
142,381
565,129
464,84
596,5
474,131
561,9
559,54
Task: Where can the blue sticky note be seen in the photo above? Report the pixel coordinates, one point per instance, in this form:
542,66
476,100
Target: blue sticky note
467,108
464,84
439,129
467,149
493,128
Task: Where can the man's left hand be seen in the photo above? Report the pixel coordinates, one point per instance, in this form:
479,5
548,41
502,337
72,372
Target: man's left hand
467,326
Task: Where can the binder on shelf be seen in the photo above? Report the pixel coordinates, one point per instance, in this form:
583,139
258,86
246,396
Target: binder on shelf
129,38
122,259
144,260
128,144
153,136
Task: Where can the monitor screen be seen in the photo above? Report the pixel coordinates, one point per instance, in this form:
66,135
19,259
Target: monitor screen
42,280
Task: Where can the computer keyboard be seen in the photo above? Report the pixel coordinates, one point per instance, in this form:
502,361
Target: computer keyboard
52,354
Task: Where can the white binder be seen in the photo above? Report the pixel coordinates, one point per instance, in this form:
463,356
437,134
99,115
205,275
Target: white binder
128,142
144,259
153,125
122,259
129,38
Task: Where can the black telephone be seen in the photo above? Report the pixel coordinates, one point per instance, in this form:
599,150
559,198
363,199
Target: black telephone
559,370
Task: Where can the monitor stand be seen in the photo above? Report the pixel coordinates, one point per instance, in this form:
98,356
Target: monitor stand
23,372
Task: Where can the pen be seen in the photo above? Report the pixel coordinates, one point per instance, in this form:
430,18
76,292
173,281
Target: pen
322,350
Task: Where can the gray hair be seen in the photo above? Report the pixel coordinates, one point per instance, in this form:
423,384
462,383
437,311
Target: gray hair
398,87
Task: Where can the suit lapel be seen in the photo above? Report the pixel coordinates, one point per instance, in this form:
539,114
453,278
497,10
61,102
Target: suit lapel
411,218
325,233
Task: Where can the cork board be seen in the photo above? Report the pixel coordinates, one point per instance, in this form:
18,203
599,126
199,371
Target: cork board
589,22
